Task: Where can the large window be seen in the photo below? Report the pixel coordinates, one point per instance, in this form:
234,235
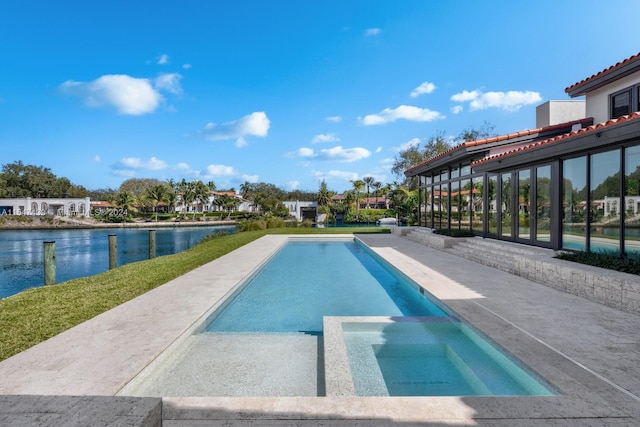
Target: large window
505,204
492,201
524,212
574,203
632,201
543,204
477,204
605,208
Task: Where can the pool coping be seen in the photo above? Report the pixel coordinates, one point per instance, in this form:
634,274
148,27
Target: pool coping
102,355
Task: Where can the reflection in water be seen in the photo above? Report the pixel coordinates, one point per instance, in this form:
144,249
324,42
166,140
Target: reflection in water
82,253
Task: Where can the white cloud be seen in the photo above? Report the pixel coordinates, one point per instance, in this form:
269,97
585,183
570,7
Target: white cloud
343,175
293,185
164,59
337,153
340,154
153,164
457,109
186,66
129,95
324,137
251,178
379,149
465,96
254,124
219,170
508,101
334,119
169,83
413,142
183,166
372,32
405,112
97,159
424,88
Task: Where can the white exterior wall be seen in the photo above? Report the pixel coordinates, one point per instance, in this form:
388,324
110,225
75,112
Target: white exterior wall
295,208
598,100
555,112
50,206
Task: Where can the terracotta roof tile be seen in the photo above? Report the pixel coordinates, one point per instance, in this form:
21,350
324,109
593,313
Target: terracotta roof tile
602,73
559,138
500,138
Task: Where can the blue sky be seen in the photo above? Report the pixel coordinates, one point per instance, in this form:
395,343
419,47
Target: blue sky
285,92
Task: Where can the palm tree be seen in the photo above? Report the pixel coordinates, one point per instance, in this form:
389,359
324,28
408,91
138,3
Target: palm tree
358,185
377,185
368,181
201,192
157,194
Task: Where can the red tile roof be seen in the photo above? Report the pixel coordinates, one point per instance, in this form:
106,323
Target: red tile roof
602,73
563,137
501,138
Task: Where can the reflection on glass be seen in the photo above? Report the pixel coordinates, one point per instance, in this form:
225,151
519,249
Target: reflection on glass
426,208
444,203
543,203
632,201
574,203
437,206
505,206
604,212
465,204
492,213
524,212
455,205
477,205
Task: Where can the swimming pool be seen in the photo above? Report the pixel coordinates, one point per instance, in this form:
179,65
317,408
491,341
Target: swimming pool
268,337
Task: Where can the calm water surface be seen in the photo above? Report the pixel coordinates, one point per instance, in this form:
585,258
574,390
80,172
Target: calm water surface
82,253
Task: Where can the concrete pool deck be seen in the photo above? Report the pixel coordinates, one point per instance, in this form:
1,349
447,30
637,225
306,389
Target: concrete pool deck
590,352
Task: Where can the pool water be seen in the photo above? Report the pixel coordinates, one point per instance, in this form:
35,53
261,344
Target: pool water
431,358
308,280
269,339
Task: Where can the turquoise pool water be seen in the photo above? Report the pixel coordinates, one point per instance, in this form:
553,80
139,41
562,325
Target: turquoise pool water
440,356
308,280
432,358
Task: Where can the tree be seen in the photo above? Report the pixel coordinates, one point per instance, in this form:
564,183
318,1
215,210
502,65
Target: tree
20,180
377,185
436,144
358,186
227,203
324,195
157,194
368,182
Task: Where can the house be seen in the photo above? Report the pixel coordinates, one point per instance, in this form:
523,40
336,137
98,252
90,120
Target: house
302,211
62,206
573,182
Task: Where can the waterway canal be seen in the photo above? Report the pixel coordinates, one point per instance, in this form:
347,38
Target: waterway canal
84,252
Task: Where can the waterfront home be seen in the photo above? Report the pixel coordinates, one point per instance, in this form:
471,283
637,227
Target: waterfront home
573,182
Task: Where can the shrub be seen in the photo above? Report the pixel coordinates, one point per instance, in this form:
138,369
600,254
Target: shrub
453,232
608,260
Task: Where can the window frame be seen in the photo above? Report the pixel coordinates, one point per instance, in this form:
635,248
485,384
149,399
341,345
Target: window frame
633,92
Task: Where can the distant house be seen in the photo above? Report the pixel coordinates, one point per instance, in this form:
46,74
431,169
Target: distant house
572,182
380,202
302,210
67,207
211,206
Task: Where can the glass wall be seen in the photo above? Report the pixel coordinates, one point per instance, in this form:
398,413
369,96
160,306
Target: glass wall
505,204
456,209
632,201
477,204
524,213
543,204
605,206
574,203
492,200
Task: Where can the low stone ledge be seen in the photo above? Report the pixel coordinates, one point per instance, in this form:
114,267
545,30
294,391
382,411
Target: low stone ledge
27,410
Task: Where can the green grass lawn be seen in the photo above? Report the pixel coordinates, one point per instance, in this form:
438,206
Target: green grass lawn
40,313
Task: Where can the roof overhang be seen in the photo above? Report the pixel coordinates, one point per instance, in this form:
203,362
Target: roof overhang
588,139
604,77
